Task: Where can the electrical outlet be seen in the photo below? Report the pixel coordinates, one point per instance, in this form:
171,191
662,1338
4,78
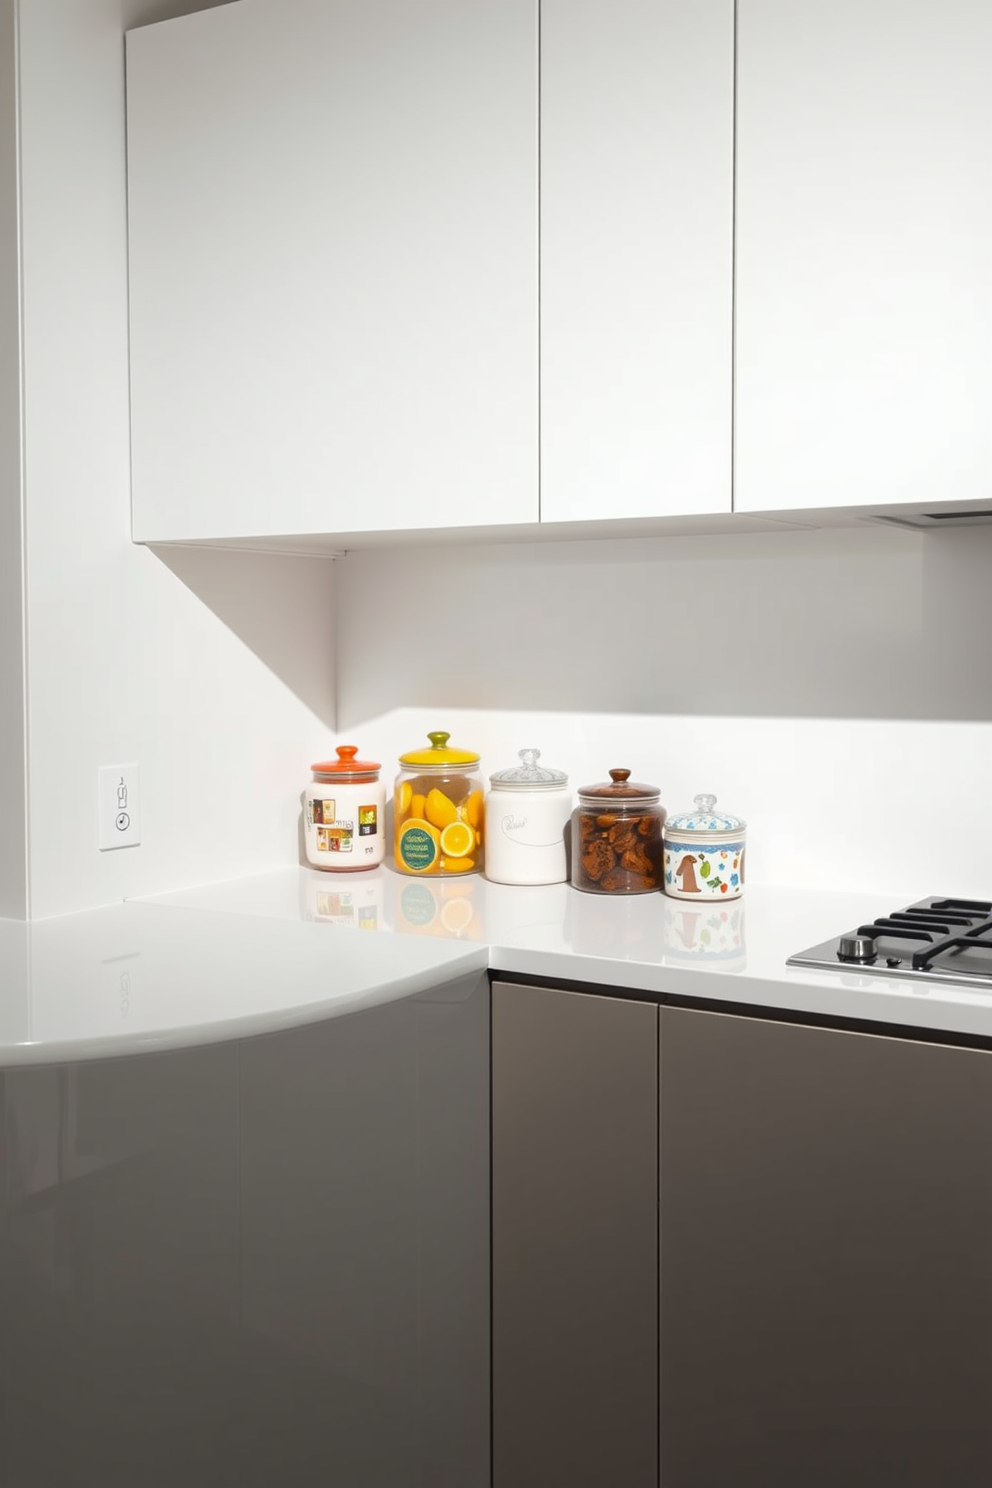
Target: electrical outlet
119,807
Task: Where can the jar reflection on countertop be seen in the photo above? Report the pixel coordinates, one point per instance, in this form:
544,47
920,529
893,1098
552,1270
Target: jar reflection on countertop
616,837
345,807
349,903
704,934
448,908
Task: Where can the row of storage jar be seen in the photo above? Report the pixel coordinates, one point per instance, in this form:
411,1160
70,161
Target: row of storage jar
621,838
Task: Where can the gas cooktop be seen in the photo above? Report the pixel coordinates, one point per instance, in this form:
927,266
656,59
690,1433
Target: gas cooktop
935,940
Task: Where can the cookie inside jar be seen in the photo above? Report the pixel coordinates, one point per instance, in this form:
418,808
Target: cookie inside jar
616,837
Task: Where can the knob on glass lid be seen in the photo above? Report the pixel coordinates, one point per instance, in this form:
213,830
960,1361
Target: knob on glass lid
528,773
705,818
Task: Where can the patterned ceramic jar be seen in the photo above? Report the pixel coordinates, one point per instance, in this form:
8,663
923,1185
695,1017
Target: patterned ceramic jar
704,853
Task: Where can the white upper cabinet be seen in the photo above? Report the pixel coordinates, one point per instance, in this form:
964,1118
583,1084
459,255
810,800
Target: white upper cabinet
864,246
333,264
636,257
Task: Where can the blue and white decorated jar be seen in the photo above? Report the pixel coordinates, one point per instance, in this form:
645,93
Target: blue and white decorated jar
704,854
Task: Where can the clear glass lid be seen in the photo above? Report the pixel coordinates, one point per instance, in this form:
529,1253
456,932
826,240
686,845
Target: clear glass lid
529,773
705,818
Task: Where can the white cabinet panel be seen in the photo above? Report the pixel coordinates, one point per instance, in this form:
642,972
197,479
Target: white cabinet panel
636,257
333,245
864,239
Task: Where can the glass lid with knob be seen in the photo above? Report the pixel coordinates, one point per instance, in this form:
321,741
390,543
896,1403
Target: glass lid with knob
529,775
705,818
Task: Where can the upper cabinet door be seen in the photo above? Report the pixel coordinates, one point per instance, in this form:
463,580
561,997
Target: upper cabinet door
864,238
636,257
333,259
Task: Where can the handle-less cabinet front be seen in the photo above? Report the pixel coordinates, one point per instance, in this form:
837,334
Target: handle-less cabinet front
575,1263
332,212
253,1263
637,158
826,1229
864,235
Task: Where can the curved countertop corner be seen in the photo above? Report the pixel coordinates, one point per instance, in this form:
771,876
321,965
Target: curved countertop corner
280,949
133,979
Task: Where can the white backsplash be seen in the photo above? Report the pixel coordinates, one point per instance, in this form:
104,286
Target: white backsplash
832,687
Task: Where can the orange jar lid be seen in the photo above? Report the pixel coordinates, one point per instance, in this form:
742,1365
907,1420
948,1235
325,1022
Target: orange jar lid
346,764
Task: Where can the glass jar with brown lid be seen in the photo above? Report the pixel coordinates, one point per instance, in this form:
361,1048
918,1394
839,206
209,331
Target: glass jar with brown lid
616,837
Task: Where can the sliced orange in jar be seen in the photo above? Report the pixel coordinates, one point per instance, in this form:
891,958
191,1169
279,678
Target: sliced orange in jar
439,809
473,810
457,865
417,805
404,798
457,839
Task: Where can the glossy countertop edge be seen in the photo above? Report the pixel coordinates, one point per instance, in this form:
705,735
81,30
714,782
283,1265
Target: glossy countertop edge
276,935
559,933
193,977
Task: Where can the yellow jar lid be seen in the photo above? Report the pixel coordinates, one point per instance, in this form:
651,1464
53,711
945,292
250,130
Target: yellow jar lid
439,754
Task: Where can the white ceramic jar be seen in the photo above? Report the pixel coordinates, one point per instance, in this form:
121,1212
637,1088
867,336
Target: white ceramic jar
528,809
344,814
704,854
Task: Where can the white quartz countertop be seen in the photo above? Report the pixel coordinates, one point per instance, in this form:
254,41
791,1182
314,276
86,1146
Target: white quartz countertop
259,954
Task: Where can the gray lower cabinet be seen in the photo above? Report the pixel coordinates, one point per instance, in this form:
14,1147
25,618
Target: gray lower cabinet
575,1259
254,1263
791,1289
826,1258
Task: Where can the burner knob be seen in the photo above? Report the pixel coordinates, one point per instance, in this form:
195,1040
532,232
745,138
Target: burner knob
857,948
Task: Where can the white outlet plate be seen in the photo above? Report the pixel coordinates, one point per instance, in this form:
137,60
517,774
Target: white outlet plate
118,807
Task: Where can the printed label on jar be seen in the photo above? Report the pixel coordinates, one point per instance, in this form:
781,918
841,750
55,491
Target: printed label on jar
338,838
321,813
418,849
368,821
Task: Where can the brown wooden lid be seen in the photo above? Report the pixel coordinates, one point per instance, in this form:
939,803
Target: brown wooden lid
620,787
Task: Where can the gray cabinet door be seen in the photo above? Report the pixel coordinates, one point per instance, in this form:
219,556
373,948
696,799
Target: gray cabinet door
365,1247
575,1263
826,1235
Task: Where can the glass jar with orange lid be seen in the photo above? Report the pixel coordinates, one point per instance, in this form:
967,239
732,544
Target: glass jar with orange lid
438,810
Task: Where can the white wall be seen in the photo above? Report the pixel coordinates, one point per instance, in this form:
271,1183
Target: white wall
815,680
831,687
13,825
135,656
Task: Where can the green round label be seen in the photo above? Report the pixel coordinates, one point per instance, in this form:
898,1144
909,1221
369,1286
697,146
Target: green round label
418,849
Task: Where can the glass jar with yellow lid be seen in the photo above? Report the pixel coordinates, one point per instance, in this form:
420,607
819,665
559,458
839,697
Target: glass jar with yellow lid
438,810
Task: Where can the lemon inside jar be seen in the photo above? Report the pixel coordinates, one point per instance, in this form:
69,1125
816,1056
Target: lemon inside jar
438,804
